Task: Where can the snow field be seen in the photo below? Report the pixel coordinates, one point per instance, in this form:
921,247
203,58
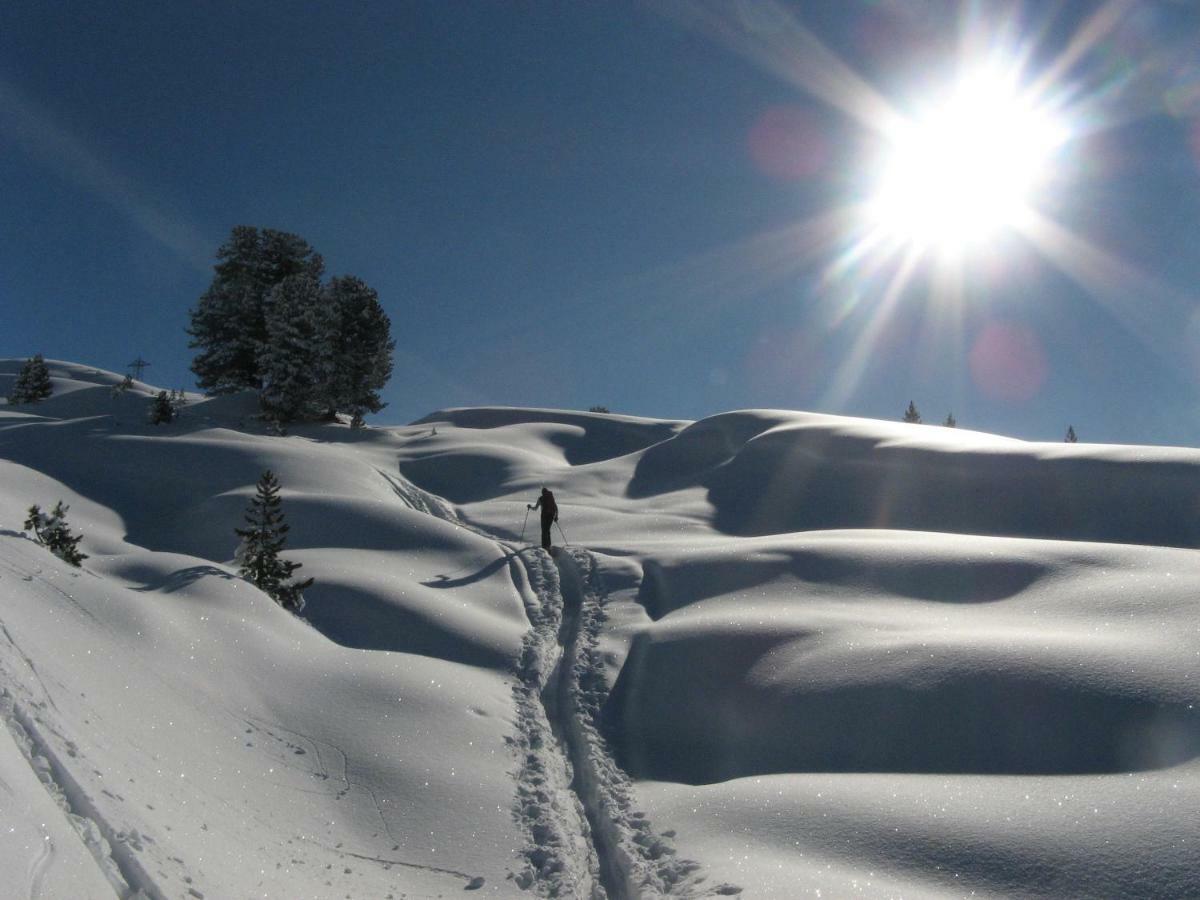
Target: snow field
785,654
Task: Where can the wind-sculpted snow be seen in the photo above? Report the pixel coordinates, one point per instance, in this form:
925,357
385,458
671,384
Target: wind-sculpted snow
767,473
784,653
582,437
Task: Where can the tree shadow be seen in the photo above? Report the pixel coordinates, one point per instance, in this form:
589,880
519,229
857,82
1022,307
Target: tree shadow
182,578
445,581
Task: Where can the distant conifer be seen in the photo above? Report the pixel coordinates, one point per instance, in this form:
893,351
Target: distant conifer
1070,438
229,323
361,346
33,382
950,422
911,414
262,542
296,361
52,532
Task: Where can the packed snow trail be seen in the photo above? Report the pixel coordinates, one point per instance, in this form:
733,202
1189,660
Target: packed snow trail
562,670
560,860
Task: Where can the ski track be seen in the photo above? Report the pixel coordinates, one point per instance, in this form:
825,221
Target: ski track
559,857
615,852
113,850
639,861
36,870
420,500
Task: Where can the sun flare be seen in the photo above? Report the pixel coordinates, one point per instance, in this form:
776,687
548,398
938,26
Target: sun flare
967,169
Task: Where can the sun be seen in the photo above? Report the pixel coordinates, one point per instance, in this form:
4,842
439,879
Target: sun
972,166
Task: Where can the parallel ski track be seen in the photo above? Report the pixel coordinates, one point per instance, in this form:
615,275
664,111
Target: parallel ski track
561,667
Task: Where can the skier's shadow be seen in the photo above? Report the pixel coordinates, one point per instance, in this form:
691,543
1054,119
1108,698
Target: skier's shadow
445,581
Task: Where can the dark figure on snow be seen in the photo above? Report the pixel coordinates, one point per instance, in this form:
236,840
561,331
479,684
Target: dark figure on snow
549,514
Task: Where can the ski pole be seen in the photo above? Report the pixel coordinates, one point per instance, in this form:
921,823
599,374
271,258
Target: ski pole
560,531
526,522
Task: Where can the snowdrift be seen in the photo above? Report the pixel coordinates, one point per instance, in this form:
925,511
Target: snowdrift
785,653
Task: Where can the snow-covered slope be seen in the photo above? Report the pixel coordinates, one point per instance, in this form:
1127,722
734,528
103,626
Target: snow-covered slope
783,655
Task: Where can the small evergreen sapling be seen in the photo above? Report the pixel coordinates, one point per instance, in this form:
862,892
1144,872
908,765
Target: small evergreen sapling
263,541
911,414
52,532
33,382
950,422
122,388
162,409
1070,438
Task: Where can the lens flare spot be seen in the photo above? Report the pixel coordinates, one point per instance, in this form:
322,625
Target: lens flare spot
1008,362
787,143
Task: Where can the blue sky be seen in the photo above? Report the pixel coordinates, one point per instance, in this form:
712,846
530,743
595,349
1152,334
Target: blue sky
640,205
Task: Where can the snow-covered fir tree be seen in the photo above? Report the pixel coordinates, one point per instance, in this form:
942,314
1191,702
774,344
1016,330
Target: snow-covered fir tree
33,382
1070,438
362,348
950,422
162,409
911,414
52,532
296,359
228,324
262,541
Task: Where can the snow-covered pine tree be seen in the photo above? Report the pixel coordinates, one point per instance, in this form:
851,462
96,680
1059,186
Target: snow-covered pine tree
33,382
1070,438
911,414
228,324
362,348
950,422
52,532
262,542
162,409
296,360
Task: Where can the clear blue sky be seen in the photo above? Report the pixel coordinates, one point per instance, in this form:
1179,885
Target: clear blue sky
566,204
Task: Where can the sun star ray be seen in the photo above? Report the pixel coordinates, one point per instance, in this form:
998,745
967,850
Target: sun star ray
850,373
1091,32
1144,306
770,36
694,288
